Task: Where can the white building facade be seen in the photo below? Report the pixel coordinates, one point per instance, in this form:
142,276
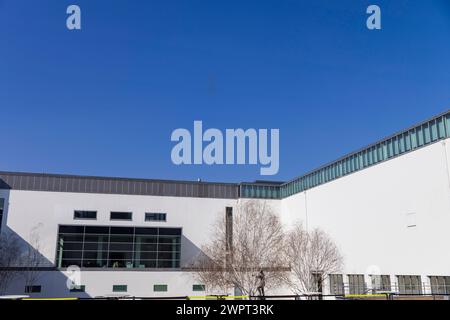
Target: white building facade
387,207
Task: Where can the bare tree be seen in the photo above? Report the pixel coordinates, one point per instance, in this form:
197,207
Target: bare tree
312,257
32,259
234,260
9,260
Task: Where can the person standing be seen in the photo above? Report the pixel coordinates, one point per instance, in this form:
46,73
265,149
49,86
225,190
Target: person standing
261,278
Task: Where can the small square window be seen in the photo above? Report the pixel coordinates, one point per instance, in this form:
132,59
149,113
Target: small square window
120,288
160,288
121,215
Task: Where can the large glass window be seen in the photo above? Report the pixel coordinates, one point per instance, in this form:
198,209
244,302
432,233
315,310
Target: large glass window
118,247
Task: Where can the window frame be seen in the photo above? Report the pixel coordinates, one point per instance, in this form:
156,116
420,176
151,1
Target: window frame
158,214
33,289
120,288
84,211
163,287
118,213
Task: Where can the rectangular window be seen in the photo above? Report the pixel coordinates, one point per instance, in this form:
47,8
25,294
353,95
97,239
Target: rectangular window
229,227
153,216
336,284
121,216
33,289
381,283
198,287
409,285
356,284
2,203
118,247
120,288
78,289
440,285
83,214
160,288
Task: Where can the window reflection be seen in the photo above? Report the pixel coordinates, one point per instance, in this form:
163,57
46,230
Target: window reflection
118,247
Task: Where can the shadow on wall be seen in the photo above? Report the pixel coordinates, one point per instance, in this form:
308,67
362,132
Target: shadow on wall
32,269
189,252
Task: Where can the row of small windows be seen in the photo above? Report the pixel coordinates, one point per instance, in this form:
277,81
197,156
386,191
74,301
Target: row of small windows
116,215
115,288
406,284
157,288
412,139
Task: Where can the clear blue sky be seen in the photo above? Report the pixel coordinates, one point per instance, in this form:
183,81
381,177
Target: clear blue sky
104,100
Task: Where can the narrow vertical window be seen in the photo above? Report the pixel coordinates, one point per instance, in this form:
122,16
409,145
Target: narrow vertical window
229,231
2,203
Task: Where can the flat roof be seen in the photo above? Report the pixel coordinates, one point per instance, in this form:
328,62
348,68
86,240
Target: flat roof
410,139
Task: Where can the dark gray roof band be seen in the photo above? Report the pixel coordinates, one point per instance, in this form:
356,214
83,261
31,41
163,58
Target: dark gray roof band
82,184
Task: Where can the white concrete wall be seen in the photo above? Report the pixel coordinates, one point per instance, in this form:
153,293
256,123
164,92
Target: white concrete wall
367,214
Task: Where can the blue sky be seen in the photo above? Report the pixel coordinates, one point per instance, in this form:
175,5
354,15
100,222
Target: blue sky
104,100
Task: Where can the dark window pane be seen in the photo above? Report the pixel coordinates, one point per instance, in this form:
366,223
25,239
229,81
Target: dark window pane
120,247
167,247
198,287
68,255
120,288
89,255
96,238
121,239
92,246
160,287
122,230
168,264
145,256
169,231
72,246
168,255
78,289
97,230
67,263
95,263
147,231
33,289
71,229
80,214
146,239
150,216
145,263
146,247
121,215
